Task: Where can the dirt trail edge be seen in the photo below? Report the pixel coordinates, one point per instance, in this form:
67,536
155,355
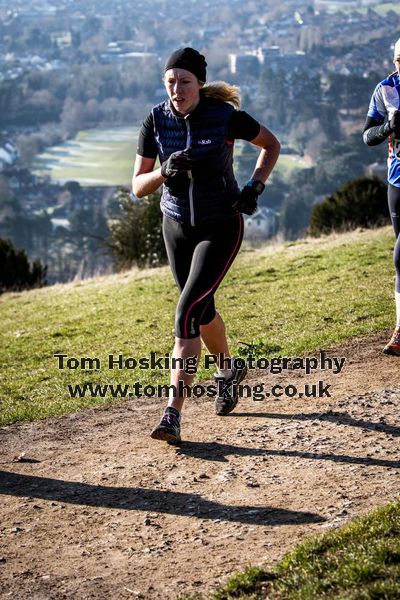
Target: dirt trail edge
96,509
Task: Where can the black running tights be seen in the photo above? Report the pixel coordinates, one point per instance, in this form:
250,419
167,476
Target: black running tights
199,257
394,209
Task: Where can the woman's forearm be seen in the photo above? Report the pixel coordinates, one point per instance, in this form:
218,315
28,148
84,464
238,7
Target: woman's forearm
147,183
266,162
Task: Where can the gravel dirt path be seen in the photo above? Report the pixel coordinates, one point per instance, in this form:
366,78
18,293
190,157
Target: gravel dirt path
94,508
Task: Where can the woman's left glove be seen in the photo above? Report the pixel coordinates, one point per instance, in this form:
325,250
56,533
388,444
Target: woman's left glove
246,201
178,162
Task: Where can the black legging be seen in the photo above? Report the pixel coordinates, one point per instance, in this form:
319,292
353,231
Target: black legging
199,257
394,209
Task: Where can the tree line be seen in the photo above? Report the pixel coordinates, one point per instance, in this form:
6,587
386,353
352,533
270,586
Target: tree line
135,237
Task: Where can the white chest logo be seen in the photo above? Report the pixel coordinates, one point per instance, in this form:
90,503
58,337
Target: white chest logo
204,142
391,99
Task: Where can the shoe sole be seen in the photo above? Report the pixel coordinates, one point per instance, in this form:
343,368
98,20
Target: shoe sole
389,351
220,409
165,436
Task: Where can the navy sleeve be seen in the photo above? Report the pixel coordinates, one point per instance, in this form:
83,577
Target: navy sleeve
242,126
376,131
146,143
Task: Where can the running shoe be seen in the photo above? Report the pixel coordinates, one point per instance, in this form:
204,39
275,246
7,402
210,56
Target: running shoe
228,399
393,347
169,428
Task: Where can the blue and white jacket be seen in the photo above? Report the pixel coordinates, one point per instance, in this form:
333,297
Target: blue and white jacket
385,100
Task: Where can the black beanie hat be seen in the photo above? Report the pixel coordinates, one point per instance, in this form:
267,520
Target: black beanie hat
189,59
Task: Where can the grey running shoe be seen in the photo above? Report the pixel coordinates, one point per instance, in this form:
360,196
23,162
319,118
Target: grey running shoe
168,429
228,393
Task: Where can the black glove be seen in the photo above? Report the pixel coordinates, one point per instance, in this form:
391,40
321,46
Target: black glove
246,201
395,123
178,162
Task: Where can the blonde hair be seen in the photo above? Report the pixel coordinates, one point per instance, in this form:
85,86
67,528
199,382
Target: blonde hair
220,90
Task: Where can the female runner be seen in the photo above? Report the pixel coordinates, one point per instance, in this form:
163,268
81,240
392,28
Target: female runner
383,121
193,134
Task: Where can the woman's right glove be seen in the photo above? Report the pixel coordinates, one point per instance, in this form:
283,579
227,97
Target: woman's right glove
178,162
246,201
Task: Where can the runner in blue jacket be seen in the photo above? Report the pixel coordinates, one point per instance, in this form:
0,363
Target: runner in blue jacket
383,122
193,133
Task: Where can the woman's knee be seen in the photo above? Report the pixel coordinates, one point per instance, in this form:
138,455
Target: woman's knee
191,314
208,315
214,324
187,326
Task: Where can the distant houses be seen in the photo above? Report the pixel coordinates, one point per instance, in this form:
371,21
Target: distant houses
262,225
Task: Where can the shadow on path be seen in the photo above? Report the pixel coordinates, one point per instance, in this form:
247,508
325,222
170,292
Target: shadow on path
175,503
218,452
341,418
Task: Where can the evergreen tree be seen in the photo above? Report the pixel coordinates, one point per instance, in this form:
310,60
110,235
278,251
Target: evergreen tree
136,237
359,203
16,272
295,213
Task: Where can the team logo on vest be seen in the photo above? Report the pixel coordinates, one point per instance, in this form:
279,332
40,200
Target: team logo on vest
204,142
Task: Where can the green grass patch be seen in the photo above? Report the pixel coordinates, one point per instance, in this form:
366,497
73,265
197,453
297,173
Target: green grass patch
358,561
289,300
93,157
106,157
386,7
289,163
